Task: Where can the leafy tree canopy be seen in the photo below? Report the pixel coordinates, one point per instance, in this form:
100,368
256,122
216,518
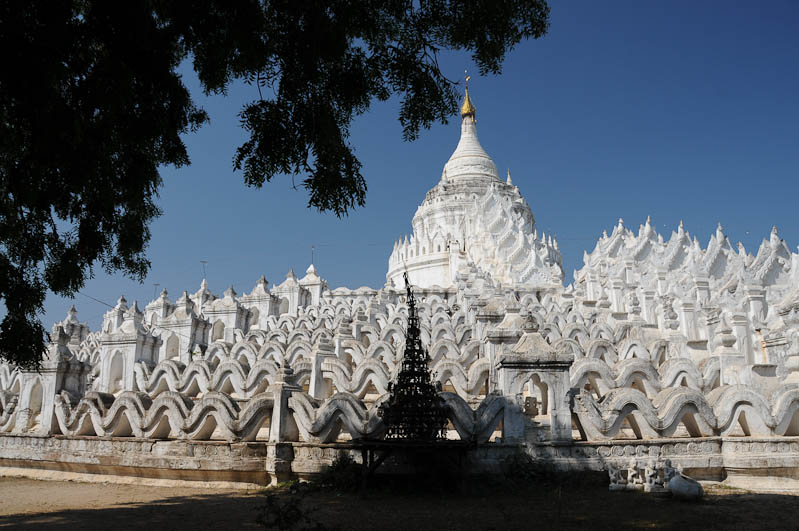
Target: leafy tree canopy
91,104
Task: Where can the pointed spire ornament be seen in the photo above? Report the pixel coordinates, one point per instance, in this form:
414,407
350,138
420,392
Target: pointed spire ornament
774,237
414,411
230,292
467,108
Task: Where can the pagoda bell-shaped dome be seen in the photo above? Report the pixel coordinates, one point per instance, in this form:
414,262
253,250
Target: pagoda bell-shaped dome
469,161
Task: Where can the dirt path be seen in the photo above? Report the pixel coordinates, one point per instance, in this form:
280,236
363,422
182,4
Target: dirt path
31,504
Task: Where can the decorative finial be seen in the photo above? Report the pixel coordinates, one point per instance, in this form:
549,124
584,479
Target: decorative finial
530,325
467,109
774,239
509,180
230,292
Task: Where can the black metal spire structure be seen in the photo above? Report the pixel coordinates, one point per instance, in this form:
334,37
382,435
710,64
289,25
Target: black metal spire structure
414,411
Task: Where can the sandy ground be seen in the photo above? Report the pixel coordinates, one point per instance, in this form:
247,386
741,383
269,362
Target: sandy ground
32,504
27,503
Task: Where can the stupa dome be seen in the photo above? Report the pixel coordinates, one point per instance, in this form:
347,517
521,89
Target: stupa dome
473,222
469,161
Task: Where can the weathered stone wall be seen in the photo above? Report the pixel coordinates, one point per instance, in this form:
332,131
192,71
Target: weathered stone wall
261,463
209,461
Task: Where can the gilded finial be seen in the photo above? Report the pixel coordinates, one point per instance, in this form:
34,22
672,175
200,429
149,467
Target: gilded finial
467,109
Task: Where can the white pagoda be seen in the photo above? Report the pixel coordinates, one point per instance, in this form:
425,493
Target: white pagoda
473,221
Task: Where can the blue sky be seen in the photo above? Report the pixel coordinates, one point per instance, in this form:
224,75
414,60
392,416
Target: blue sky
678,110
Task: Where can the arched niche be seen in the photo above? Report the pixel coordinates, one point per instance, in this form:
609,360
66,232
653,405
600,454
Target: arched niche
116,373
172,350
35,403
218,331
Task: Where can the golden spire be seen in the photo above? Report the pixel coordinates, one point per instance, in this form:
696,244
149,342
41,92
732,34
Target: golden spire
467,109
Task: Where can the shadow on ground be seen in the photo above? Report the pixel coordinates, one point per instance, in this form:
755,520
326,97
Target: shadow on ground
483,505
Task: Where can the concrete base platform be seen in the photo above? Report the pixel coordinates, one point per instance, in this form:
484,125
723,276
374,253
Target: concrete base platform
762,465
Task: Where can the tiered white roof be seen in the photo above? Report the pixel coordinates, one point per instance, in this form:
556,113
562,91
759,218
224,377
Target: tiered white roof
472,221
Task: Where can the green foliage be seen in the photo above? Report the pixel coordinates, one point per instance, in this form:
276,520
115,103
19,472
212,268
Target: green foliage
344,475
285,511
521,470
91,105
